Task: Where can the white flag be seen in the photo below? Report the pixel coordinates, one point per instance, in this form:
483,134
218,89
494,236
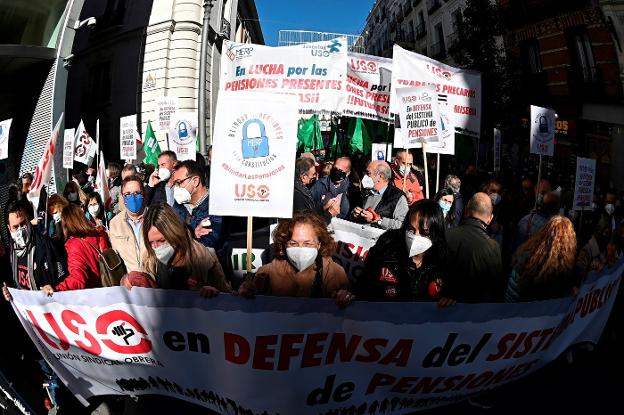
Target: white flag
84,146
101,182
44,168
5,128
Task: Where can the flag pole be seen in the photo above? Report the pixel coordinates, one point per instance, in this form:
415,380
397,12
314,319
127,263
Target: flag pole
97,141
249,275
438,174
426,171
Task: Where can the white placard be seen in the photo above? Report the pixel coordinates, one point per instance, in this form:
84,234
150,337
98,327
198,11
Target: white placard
379,151
584,183
253,157
420,116
542,131
183,135
68,148
128,136
459,90
315,72
5,129
167,106
368,87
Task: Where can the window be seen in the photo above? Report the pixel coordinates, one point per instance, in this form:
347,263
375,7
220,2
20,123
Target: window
581,54
531,57
457,19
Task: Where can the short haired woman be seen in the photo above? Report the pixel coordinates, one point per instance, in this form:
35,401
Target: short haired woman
303,265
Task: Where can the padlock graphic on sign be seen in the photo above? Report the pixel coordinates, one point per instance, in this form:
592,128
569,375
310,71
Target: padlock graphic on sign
182,130
255,140
543,124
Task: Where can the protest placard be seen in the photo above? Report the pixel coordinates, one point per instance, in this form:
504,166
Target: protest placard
5,129
542,131
368,87
68,148
167,106
584,184
128,136
183,135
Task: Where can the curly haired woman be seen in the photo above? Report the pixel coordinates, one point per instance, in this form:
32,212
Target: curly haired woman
543,267
302,266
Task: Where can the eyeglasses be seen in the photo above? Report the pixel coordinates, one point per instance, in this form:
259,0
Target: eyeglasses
179,182
132,194
295,244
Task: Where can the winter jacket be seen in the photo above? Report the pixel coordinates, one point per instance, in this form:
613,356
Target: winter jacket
155,195
475,273
411,185
123,241
50,268
83,262
323,190
302,198
214,239
280,278
389,273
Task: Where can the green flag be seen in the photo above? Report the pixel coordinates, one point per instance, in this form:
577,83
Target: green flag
318,138
150,146
360,140
305,134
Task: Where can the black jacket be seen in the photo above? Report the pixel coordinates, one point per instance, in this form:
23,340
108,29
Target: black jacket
155,195
388,201
50,267
390,275
302,198
475,265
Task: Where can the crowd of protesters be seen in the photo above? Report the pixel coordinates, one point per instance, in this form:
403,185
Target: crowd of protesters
478,239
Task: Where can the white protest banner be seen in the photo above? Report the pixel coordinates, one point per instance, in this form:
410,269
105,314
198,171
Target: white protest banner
542,131
253,155
68,148
315,72
419,114
353,240
584,184
459,90
128,136
85,147
5,129
498,144
167,106
114,341
379,151
182,135
368,87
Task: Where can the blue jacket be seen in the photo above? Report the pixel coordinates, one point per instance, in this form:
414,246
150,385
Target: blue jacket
323,190
214,239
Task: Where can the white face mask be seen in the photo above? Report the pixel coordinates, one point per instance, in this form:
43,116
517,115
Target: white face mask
181,195
72,196
94,210
416,244
164,174
301,258
56,217
367,182
164,253
496,198
610,208
21,236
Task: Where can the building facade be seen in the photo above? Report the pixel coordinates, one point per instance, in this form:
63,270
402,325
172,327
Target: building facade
568,58
428,27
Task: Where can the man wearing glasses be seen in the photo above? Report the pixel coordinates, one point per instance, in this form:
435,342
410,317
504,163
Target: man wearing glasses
191,205
126,227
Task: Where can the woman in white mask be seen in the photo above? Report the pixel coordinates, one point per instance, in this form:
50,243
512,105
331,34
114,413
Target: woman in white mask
174,260
407,264
96,213
74,194
302,266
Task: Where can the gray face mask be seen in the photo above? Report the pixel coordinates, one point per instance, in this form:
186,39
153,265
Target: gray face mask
164,253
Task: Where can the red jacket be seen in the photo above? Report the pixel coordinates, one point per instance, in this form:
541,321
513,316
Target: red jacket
411,185
82,262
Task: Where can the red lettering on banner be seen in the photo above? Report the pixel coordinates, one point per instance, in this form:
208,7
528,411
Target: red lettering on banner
69,317
233,341
312,349
105,320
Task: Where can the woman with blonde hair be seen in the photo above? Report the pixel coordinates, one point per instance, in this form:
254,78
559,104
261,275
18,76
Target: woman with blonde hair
543,267
174,259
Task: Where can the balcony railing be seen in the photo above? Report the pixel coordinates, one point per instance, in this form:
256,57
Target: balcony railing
421,31
438,50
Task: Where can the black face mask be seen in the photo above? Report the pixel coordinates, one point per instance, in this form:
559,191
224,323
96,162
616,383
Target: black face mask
336,175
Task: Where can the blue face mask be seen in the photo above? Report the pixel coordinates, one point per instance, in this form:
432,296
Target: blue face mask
446,208
134,203
402,170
